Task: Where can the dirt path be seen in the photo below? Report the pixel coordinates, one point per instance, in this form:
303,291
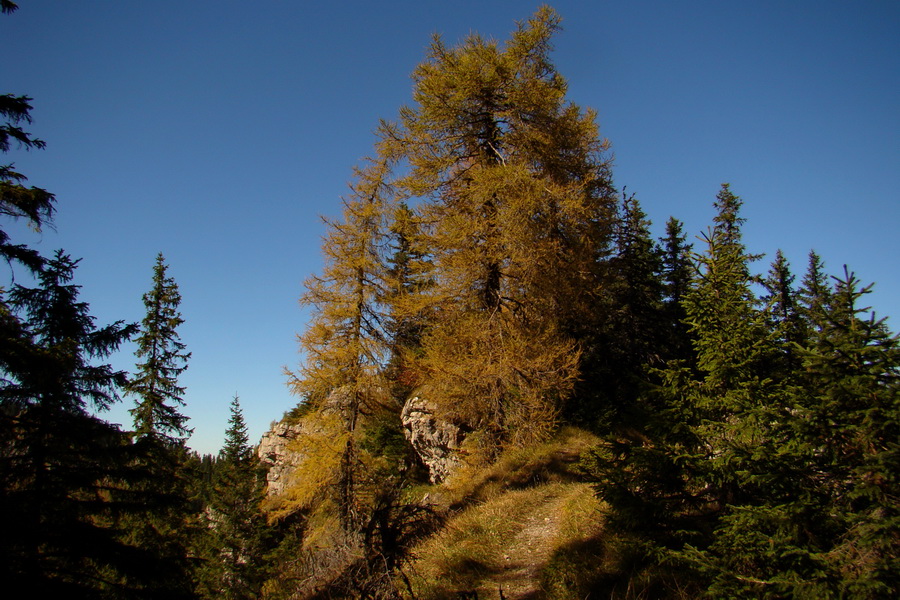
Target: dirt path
531,549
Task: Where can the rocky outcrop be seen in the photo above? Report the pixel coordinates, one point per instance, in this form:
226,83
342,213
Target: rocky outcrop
275,455
435,440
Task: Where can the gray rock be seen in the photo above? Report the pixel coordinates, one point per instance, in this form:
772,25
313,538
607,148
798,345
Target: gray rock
275,451
274,455
435,440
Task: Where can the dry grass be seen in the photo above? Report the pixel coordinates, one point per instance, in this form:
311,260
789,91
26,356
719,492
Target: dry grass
507,522
528,523
473,546
552,461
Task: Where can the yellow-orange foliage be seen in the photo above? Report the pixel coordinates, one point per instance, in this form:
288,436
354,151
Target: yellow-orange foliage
515,205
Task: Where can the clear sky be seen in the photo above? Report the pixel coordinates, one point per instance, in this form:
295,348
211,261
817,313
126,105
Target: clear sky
218,131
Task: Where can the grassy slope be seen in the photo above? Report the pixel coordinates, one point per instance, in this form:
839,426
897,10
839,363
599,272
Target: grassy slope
526,526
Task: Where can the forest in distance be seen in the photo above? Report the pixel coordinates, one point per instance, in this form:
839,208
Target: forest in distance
735,423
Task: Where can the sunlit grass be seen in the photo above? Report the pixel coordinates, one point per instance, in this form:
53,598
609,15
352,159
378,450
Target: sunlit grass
490,507
476,543
518,468
487,508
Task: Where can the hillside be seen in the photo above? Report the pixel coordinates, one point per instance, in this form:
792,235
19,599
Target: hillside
509,546
524,526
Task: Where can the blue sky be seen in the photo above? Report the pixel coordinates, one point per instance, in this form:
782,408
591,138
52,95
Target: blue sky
218,131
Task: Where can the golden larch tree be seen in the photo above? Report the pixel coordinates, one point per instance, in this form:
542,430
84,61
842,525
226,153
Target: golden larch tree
513,192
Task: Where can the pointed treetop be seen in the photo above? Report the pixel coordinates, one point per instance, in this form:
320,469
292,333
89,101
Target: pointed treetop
63,326
237,440
727,219
155,384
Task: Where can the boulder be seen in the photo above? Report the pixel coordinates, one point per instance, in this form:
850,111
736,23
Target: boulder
434,439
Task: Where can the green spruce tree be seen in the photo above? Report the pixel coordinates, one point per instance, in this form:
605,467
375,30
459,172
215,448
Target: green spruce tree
847,432
680,485
731,410
64,468
158,396
167,522
814,296
233,551
820,513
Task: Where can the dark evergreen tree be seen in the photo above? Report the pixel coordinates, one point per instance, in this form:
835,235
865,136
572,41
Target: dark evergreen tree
167,521
17,201
155,385
234,550
782,304
63,327
630,339
636,266
201,469
63,467
69,482
677,275
35,206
